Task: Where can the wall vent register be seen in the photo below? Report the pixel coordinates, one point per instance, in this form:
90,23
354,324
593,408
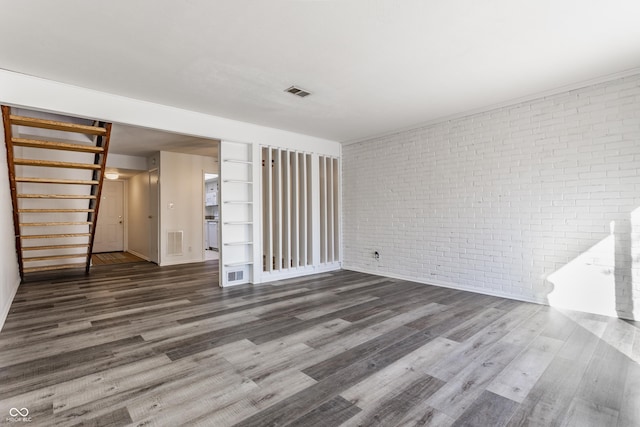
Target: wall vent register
174,243
233,276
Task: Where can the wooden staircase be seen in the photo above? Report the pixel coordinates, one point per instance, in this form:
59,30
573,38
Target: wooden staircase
55,189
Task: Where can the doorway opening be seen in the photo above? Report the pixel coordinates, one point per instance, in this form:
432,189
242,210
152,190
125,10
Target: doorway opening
109,246
211,216
164,212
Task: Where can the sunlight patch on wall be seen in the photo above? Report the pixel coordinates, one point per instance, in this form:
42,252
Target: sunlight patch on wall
635,263
587,283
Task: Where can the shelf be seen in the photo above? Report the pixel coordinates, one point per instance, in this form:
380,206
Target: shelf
237,264
244,162
238,223
238,243
238,202
237,181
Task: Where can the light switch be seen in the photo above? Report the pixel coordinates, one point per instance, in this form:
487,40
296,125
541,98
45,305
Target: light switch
170,206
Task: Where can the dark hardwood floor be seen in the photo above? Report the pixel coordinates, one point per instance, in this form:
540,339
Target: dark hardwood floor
107,258
135,344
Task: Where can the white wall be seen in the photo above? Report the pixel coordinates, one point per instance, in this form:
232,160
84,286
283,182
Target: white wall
121,161
182,203
138,215
9,274
518,201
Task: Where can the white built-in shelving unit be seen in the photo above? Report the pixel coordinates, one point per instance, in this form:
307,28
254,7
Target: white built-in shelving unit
236,205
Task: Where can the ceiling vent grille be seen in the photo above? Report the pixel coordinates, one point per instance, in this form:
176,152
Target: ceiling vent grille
297,91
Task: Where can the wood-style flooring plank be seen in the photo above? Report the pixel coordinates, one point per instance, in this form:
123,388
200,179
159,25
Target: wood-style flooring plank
391,410
369,392
332,413
502,329
117,417
425,416
488,410
138,344
519,377
604,379
328,366
629,414
271,389
463,389
582,413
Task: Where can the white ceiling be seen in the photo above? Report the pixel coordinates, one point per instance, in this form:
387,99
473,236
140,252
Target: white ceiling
373,66
136,141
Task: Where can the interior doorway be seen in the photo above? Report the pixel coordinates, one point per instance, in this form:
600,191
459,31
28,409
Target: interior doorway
211,216
154,213
164,200
110,227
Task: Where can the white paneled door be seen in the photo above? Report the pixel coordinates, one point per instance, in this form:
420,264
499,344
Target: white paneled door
110,228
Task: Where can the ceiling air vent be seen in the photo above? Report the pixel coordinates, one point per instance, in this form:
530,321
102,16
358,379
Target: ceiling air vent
297,91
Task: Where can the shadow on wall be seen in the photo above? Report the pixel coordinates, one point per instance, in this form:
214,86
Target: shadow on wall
602,278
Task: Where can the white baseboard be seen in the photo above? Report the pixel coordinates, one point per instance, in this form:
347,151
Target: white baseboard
7,306
449,285
634,316
180,262
266,277
139,255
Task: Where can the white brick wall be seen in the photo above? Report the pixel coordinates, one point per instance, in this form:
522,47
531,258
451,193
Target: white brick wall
497,202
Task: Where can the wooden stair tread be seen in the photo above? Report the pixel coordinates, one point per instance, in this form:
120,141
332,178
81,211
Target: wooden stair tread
54,145
54,267
56,196
50,247
54,210
57,125
47,224
51,257
53,236
56,164
56,181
